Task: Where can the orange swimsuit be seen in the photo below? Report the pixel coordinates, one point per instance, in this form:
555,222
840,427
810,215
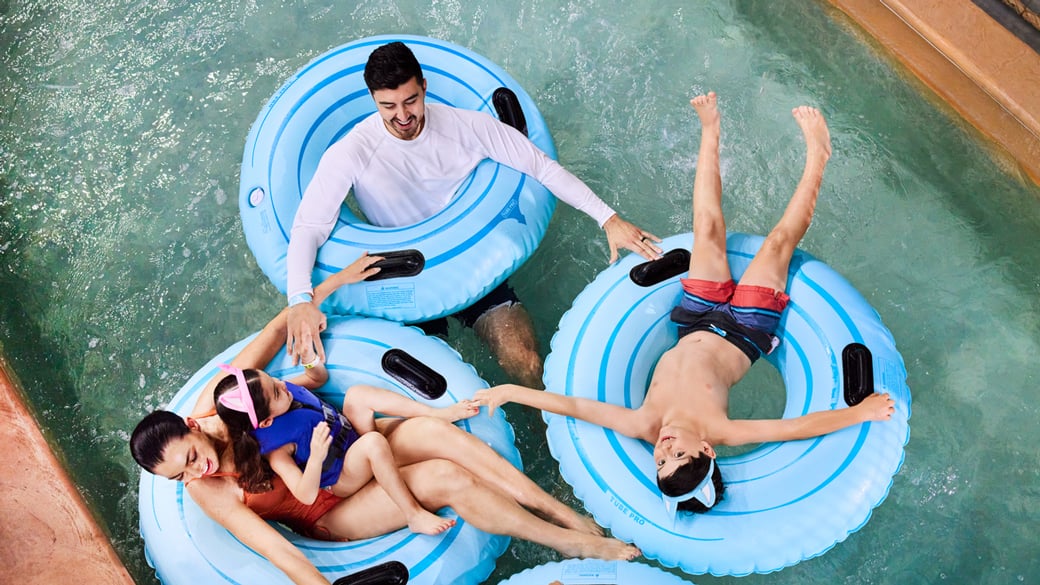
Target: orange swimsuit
279,505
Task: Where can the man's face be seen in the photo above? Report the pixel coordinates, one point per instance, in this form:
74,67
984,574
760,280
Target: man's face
403,109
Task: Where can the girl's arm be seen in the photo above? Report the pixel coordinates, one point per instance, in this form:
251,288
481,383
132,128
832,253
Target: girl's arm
876,407
221,500
623,420
304,485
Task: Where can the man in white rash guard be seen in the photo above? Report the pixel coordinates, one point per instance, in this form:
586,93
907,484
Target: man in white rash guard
405,163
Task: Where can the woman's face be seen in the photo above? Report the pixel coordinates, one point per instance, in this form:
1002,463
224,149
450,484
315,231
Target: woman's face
189,457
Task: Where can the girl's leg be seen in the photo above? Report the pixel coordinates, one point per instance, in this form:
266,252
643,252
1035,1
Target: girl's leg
770,264
708,259
439,483
361,403
370,457
426,438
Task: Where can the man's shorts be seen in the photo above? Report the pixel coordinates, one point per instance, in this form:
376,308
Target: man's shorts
502,294
746,315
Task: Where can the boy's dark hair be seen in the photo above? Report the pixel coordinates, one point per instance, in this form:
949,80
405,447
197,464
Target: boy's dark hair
254,472
686,477
391,65
153,434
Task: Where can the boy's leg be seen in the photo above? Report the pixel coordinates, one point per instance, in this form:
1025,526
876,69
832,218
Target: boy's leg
769,266
708,259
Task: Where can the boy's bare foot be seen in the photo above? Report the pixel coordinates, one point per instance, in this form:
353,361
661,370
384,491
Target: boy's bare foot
458,411
600,547
707,109
426,522
814,127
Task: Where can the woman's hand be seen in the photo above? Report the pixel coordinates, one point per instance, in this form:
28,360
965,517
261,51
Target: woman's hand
321,440
357,271
877,407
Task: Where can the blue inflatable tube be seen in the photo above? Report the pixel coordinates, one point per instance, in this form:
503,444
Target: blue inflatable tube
591,571
186,547
784,502
490,228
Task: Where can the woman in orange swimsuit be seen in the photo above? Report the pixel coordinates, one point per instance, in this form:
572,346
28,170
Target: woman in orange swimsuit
441,464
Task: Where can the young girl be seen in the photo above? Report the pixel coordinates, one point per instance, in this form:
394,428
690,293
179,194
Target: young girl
312,446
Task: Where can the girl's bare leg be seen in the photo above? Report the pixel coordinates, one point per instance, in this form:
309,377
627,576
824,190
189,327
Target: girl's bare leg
362,402
370,457
770,264
425,438
438,483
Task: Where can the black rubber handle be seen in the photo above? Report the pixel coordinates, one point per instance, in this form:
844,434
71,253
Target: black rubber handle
388,573
671,263
857,365
417,376
508,108
398,263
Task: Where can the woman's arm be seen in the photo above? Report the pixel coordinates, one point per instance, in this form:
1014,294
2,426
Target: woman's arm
626,421
876,407
222,501
261,349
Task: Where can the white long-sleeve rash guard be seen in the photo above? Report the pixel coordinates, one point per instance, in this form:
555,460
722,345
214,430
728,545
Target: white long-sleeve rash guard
400,182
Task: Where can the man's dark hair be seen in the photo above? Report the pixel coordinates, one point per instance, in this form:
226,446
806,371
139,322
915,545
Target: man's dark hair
391,65
686,477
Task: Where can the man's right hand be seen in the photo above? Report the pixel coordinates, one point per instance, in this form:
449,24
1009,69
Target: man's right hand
305,322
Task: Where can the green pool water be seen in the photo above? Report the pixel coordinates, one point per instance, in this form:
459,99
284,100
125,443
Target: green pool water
124,267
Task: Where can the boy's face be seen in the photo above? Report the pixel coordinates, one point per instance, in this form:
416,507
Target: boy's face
676,446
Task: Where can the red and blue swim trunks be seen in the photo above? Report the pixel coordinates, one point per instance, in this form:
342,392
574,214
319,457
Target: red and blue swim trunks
745,315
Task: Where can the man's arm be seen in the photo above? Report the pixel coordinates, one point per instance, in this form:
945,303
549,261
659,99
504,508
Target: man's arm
876,407
623,420
508,146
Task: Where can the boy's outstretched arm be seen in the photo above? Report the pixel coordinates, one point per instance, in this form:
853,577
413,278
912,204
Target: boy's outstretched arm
876,407
626,421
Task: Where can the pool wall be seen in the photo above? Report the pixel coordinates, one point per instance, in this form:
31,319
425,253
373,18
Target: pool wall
969,60
49,535
965,57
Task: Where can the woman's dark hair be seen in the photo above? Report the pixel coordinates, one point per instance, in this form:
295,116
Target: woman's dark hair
153,434
686,477
254,472
391,65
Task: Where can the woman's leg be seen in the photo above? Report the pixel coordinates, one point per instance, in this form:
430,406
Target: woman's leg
438,483
426,438
370,457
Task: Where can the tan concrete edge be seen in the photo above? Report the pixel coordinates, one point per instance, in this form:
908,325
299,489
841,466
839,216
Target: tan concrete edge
970,61
47,533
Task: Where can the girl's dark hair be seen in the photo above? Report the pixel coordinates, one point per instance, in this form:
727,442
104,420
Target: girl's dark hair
686,477
153,434
391,65
254,472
